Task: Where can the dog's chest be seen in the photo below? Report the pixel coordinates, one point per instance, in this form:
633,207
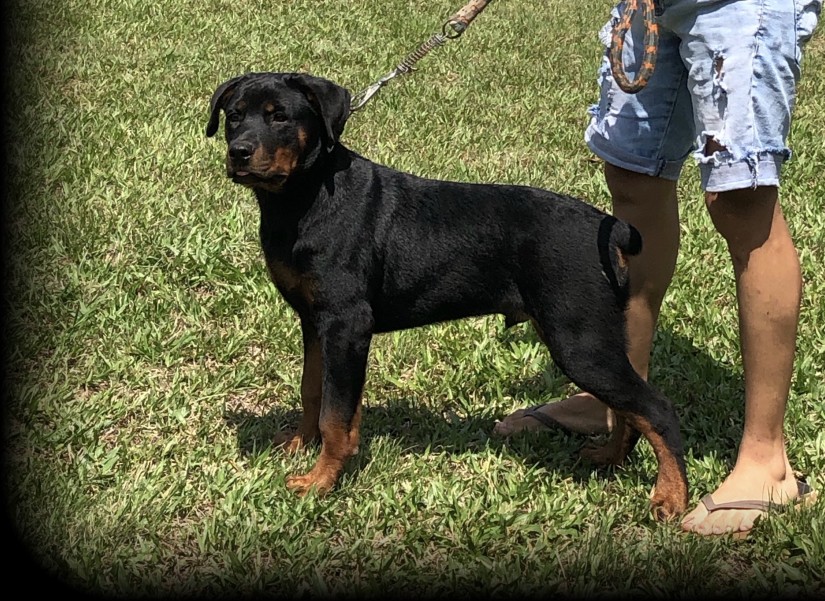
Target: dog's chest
296,287
278,246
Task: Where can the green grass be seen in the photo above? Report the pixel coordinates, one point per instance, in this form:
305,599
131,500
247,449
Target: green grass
150,361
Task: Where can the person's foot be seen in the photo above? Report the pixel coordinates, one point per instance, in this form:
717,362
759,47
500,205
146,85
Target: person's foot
745,495
582,413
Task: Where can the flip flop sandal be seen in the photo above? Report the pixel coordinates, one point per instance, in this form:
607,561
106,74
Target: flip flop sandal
806,494
545,420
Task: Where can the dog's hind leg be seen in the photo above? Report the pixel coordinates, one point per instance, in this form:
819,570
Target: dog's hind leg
344,347
591,352
623,439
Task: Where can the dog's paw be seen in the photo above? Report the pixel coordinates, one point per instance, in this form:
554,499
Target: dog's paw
291,442
666,508
306,482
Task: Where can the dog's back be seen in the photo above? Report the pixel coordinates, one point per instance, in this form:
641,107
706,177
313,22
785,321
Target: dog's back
443,250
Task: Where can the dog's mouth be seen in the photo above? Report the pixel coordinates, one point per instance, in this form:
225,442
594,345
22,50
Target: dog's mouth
255,179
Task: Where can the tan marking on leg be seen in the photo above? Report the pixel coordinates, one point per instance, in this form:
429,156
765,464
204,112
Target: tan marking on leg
617,447
340,442
308,431
670,495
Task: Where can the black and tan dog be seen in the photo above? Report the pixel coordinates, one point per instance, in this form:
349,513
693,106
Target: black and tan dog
357,248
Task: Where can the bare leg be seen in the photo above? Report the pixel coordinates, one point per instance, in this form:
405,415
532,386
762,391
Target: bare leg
768,288
649,204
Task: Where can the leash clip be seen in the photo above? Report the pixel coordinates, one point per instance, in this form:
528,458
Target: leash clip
361,98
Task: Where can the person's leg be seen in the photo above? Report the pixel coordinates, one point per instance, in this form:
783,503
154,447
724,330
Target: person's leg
649,204
768,289
743,88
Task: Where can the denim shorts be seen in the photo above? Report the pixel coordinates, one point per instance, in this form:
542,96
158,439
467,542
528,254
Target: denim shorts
725,69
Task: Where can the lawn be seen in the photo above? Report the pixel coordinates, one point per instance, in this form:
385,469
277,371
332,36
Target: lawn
150,362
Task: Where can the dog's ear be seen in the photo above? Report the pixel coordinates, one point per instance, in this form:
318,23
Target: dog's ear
219,98
330,100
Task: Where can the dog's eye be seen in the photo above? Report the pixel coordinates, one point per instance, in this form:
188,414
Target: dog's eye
234,118
279,117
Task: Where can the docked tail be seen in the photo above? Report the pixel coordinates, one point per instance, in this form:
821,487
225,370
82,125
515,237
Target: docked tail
617,241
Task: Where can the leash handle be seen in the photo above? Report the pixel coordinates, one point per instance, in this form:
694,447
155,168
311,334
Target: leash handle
461,20
651,42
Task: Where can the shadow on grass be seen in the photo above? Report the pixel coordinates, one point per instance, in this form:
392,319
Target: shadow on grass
707,396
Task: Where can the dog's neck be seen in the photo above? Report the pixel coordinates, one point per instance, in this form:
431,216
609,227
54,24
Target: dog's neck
303,189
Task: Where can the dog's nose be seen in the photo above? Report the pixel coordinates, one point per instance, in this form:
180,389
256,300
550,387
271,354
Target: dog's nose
241,152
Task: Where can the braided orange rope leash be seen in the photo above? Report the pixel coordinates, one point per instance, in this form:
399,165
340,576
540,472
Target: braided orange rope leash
651,41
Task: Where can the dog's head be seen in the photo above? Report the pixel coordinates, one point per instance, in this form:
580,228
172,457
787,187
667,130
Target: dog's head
277,124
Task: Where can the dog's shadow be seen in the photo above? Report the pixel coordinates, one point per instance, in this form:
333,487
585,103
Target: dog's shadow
708,397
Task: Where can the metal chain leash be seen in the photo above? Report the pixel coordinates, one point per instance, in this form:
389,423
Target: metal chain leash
458,23
452,29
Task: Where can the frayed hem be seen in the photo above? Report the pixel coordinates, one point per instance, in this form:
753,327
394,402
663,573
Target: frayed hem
722,172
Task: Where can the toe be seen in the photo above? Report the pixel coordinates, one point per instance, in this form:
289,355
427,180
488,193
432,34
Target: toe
691,521
502,429
515,422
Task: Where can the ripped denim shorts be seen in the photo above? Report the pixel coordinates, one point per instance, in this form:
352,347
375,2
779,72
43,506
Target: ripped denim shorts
726,70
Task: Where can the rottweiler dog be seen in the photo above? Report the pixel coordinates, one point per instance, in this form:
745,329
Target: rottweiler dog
357,248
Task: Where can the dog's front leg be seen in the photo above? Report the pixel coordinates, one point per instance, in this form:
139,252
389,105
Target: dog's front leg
308,431
344,344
